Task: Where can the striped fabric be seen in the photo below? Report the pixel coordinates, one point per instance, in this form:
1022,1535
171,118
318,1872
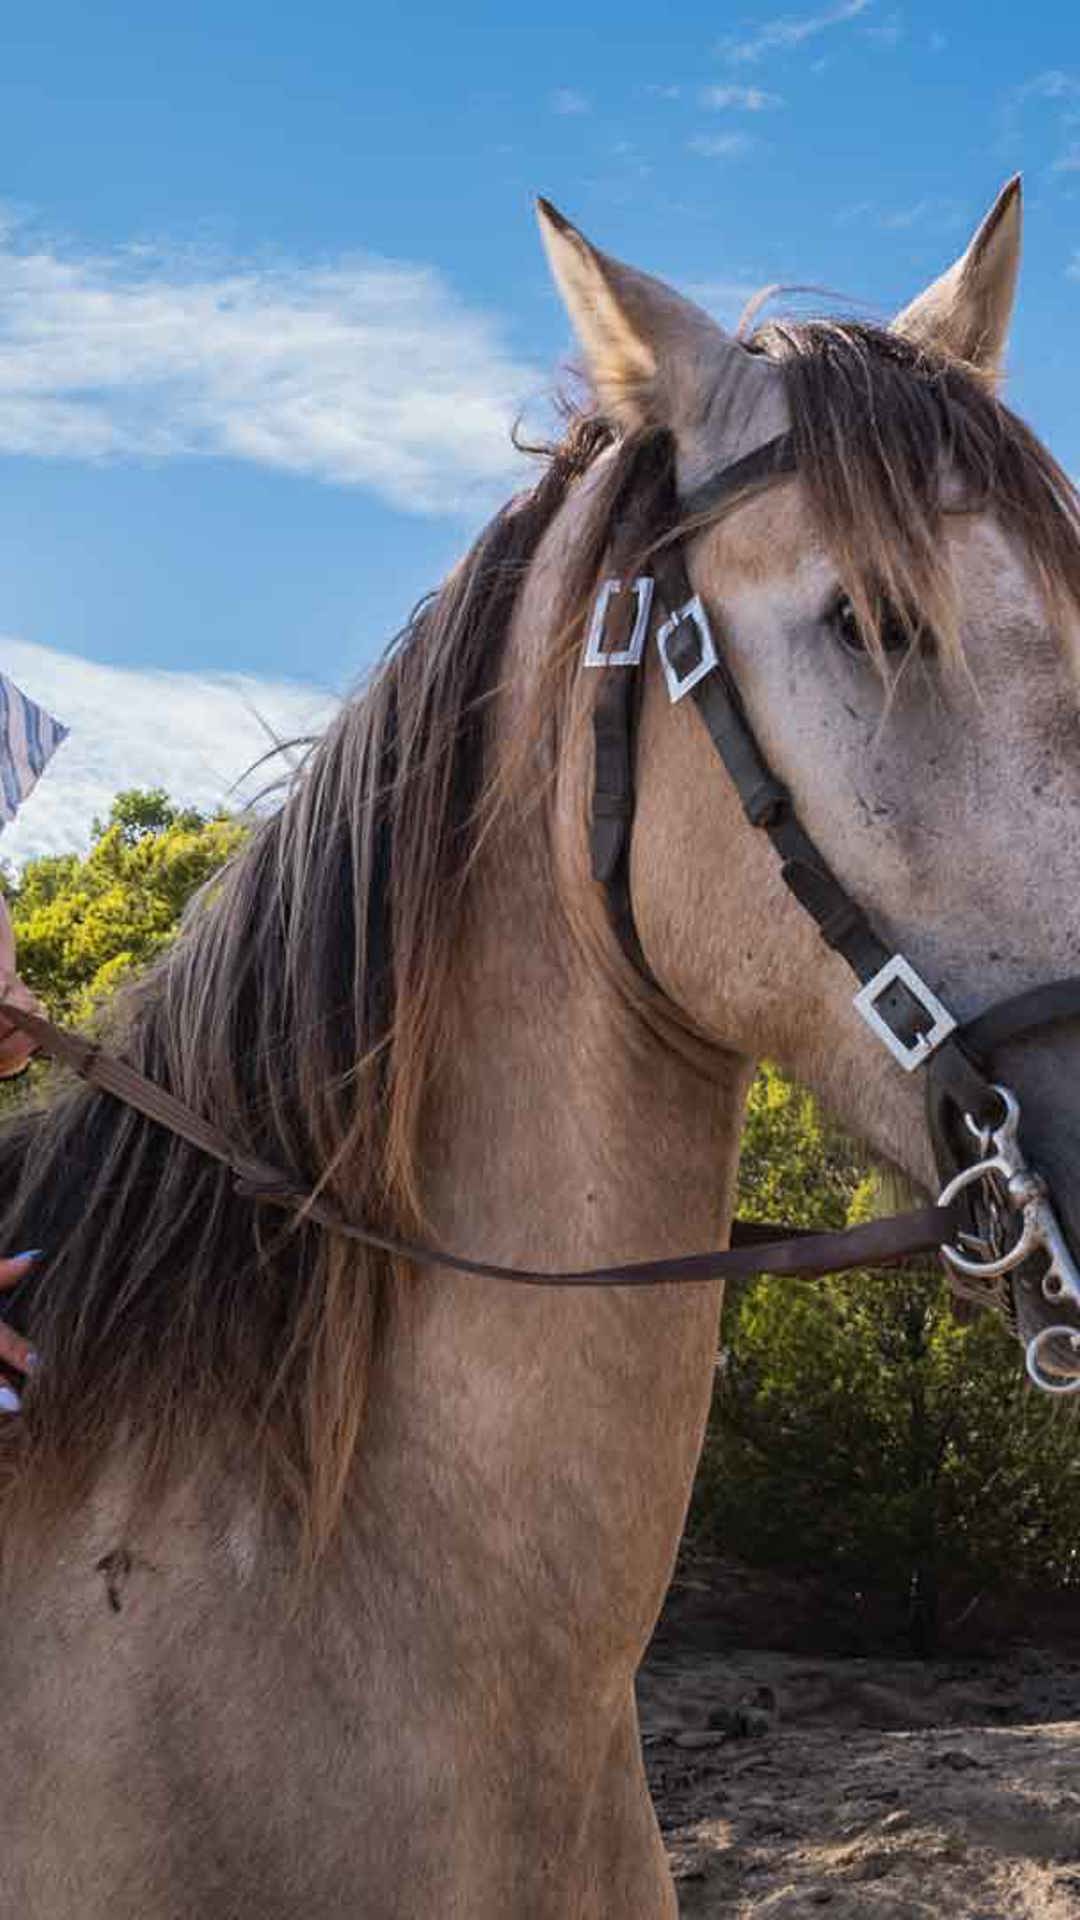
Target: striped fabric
28,739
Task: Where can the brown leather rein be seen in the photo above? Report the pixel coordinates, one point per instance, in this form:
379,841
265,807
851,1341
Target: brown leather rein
755,1247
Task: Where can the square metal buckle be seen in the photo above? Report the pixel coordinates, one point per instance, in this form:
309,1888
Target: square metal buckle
899,969
628,656
678,684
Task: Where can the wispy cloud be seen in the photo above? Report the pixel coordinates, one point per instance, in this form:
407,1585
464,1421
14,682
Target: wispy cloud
888,33
1056,93
196,735
567,100
358,371
935,212
720,146
1052,84
790,30
748,99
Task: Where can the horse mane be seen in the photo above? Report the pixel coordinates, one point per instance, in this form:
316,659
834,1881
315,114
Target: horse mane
303,1007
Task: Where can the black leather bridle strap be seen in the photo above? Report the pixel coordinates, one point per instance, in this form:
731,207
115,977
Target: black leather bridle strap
776,460
902,1008
766,803
614,723
841,922
957,1082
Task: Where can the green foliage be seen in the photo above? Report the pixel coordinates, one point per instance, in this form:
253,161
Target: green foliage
859,1430
84,924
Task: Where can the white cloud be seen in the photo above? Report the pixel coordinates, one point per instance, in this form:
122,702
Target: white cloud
568,100
357,371
749,99
789,31
720,146
194,734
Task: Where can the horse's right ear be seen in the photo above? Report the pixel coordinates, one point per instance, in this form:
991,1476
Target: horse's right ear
657,360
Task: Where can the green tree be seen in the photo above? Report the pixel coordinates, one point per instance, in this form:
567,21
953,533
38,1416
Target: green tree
859,1430
85,923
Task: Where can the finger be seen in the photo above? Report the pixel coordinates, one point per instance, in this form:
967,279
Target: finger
16,1269
15,1352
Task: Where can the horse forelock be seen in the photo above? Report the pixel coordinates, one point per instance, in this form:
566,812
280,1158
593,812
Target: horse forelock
892,441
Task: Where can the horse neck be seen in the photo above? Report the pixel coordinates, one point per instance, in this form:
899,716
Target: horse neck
563,1427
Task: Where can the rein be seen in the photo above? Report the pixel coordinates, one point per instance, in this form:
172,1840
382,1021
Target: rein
755,1248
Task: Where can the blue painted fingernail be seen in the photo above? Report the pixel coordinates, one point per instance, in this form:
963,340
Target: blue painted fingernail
32,1253
9,1401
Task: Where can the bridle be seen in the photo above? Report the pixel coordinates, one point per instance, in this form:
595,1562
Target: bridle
1005,1217
994,1214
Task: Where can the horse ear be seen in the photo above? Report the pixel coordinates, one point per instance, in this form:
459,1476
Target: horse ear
614,312
657,360
967,312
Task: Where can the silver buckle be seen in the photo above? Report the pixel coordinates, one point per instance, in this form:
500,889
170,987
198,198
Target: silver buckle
693,610
919,1050
630,655
1002,1166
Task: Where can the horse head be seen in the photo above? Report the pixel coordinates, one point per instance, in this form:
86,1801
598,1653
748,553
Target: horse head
898,608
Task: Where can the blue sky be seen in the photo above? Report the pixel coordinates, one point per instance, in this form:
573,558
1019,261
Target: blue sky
271,292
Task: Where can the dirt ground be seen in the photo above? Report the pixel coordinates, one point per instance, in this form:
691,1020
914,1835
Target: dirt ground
795,1784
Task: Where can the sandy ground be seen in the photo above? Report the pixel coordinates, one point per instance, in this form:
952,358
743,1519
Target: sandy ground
791,1785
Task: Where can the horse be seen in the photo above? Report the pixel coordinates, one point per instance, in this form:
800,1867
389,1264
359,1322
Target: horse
327,1571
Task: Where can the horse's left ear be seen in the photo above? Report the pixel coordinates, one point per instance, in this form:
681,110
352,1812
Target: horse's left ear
967,312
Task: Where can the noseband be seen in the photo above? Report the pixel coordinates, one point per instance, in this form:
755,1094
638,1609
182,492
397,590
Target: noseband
1005,1216
994,1214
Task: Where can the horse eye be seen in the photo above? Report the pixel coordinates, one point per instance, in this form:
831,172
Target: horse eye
897,637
